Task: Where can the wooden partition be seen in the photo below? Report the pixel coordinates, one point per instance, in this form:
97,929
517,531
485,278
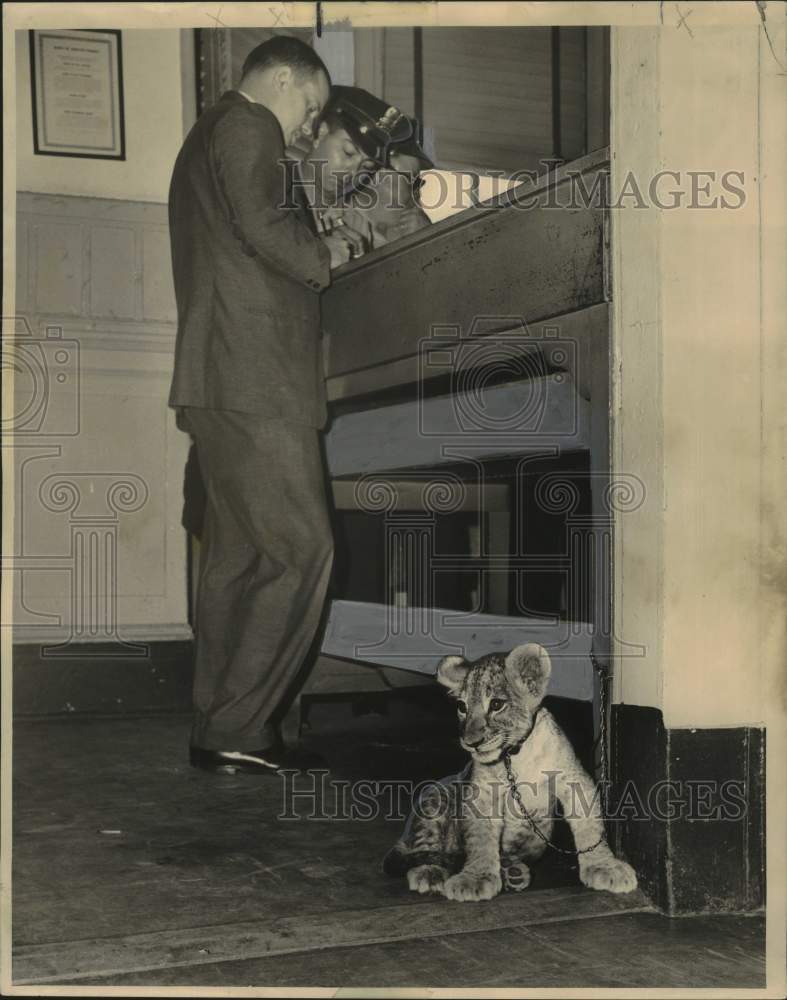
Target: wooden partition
530,255
484,336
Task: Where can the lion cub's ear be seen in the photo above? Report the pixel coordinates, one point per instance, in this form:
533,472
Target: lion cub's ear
530,666
451,673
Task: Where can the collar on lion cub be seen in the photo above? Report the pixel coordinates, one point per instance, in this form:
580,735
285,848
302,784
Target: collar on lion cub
497,698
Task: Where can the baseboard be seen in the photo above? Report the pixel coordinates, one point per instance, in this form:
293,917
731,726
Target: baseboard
688,812
132,677
102,678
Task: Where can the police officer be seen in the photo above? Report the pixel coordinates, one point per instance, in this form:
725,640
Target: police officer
363,168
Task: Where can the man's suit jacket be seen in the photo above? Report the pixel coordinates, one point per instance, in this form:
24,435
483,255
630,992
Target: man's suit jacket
247,271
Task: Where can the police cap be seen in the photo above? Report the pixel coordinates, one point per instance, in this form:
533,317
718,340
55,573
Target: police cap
372,124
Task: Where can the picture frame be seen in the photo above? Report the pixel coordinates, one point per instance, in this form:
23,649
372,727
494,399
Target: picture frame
76,79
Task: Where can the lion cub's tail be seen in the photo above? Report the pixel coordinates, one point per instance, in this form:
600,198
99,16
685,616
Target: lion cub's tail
399,860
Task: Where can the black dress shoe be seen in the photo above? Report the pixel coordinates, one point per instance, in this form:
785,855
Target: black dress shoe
270,760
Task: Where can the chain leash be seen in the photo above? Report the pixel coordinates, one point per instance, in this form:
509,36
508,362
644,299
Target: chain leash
602,742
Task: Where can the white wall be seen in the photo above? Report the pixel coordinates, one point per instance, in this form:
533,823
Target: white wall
97,453
699,370
93,261
154,126
336,49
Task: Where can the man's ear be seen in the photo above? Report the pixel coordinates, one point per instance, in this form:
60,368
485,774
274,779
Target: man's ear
282,77
529,666
451,673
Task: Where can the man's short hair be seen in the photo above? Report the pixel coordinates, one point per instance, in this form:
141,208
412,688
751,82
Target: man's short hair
284,50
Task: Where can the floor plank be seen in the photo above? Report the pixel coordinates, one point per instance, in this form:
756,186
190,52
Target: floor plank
630,950
414,918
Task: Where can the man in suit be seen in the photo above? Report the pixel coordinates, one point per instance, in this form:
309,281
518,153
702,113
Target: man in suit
248,386
347,152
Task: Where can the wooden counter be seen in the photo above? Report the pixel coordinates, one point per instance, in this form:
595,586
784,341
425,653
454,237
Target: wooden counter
518,285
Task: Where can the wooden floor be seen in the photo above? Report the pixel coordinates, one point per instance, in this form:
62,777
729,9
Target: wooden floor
130,868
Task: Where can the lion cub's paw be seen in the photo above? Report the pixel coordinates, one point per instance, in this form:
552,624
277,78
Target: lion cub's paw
468,886
427,878
611,875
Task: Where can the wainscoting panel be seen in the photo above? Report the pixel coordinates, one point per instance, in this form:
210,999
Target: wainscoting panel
22,265
99,552
59,266
158,294
113,272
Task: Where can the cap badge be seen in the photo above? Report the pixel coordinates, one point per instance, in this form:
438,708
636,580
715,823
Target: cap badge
388,121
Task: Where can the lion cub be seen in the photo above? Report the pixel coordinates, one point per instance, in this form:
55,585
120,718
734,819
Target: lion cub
468,836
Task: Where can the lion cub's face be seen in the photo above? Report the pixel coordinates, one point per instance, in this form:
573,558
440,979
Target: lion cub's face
496,697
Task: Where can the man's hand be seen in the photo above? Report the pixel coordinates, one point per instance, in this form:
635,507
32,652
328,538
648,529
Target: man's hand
344,243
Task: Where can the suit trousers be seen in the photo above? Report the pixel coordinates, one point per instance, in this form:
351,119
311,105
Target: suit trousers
265,563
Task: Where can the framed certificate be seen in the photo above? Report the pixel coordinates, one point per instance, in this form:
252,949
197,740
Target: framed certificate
77,89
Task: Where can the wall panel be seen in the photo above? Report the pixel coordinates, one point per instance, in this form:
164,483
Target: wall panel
99,552
113,271
158,293
59,267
